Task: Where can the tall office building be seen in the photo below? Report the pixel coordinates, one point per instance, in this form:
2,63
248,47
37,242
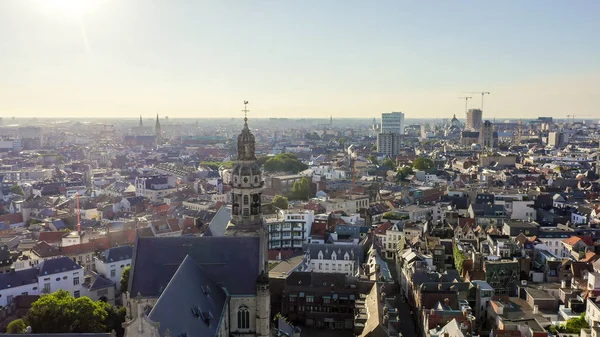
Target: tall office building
392,122
474,117
389,143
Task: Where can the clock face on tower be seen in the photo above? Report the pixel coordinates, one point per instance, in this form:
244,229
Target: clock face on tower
245,179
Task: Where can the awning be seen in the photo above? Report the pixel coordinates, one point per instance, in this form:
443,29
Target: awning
293,295
343,297
326,296
328,320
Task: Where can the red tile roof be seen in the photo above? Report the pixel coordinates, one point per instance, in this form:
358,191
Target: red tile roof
51,237
44,250
88,247
382,229
573,240
318,228
11,218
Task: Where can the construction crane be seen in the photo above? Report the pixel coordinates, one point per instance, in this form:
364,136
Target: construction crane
466,98
482,93
573,117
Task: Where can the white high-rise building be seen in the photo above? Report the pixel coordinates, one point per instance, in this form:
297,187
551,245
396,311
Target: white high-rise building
392,122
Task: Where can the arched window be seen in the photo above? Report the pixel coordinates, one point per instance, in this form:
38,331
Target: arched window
243,317
246,200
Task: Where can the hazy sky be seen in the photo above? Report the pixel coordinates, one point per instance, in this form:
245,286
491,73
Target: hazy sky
346,58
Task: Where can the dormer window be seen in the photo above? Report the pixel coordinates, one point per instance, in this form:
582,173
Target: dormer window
346,257
333,257
320,255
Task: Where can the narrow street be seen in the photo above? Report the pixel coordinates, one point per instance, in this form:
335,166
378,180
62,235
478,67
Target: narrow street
407,324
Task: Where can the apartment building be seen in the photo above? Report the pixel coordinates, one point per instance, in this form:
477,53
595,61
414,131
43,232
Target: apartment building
290,228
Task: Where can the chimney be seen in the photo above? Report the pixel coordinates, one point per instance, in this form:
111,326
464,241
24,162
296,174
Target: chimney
87,279
535,309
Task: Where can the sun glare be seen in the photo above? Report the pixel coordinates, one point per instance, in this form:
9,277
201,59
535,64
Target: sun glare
76,8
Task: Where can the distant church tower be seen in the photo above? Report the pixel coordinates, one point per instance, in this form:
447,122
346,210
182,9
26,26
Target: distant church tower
246,217
141,123
158,131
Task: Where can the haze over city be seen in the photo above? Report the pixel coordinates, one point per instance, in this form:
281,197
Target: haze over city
198,59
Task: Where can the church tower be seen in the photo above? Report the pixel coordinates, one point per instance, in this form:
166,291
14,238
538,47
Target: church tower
246,218
141,123
246,185
158,131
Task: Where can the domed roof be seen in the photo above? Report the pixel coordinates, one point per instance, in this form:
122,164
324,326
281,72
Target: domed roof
455,121
246,169
245,143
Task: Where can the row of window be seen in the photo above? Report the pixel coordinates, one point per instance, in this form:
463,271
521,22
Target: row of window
334,256
333,266
318,308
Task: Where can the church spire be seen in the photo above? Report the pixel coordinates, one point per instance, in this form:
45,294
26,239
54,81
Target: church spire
158,131
246,140
141,123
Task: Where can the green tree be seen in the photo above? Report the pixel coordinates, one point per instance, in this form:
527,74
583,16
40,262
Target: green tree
284,162
16,189
389,163
343,142
125,279
260,161
280,201
312,136
301,189
422,163
404,172
459,258
575,325
115,318
60,312
373,160
16,327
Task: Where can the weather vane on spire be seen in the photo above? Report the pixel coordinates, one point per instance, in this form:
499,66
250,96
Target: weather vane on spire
245,111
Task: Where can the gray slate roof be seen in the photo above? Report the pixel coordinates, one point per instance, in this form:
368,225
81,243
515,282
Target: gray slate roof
186,291
117,254
18,278
231,261
60,335
57,265
101,282
313,249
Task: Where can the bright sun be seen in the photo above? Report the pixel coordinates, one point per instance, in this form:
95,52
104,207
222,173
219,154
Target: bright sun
75,8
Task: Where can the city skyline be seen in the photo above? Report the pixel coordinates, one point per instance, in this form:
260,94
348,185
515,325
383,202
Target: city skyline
109,58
